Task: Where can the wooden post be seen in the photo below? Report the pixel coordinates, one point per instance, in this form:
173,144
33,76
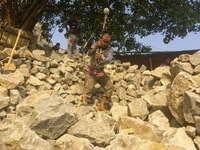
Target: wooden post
150,63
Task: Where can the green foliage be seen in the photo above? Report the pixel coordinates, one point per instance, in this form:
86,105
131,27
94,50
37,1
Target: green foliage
126,19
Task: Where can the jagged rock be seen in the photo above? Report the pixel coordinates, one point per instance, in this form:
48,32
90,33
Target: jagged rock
194,59
118,77
143,68
62,68
8,51
37,63
38,52
197,69
54,70
184,57
114,98
77,88
138,109
132,68
70,142
24,52
2,115
97,128
117,111
41,58
126,65
41,76
20,137
34,70
160,122
49,108
51,117
197,141
131,142
156,101
191,131
177,66
22,91
158,72
141,129
178,137
12,80
23,109
121,92
69,69
148,82
34,81
3,91
15,97
32,100
24,70
54,63
197,123
140,93
182,82
4,101
3,55
191,106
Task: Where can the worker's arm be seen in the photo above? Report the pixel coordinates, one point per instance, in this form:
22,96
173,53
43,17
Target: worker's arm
92,50
95,47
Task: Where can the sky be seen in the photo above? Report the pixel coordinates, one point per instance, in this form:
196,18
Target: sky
190,42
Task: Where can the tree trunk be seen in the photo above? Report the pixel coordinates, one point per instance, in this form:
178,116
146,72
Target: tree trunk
30,18
3,10
9,12
15,13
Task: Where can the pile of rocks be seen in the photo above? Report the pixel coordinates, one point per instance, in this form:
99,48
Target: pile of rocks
156,109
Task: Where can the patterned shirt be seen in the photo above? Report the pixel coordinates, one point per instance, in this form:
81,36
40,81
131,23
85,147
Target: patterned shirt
106,56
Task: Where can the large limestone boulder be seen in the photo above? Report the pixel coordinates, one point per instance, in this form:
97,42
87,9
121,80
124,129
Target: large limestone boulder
34,81
194,59
138,109
178,137
51,117
182,82
178,66
131,142
137,127
33,99
158,72
69,142
118,111
96,127
160,122
12,80
20,137
191,106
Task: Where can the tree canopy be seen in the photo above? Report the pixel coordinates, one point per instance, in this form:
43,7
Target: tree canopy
126,19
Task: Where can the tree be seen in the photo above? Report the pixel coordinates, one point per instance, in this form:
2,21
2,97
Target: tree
126,19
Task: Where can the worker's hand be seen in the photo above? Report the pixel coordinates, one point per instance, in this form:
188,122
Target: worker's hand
99,43
98,56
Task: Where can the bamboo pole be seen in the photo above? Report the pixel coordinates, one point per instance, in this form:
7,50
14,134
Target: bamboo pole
150,63
89,38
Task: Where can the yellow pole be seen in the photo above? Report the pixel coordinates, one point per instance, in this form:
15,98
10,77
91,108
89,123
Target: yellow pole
14,49
150,63
90,38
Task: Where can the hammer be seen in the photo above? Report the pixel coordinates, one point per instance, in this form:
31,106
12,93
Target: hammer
106,12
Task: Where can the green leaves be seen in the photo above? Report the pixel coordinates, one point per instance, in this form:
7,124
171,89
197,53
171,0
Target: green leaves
126,19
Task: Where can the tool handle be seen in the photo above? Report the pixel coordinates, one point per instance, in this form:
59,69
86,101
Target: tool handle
104,23
14,47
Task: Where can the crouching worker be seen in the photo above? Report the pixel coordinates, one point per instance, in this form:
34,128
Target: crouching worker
100,54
